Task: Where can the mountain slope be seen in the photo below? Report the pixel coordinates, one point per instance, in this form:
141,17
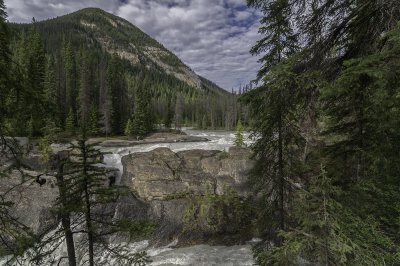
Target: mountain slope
93,67
99,29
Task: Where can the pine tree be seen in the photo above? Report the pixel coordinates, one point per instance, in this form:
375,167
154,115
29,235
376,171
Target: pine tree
239,138
70,77
344,59
115,93
107,117
178,112
139,115
70,123
50,91
273,104
5,62
93,128
88,183
84,93
359,127
168,114
129,130
325,231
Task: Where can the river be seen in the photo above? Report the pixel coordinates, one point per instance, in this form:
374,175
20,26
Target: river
198,255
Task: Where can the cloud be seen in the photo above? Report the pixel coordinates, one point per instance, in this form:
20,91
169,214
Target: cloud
213,37
24,10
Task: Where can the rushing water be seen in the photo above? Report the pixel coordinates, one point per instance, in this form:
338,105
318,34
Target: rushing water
194,255
219,140
198,254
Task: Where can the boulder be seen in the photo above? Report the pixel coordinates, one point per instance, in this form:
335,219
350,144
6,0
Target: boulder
160,173
166,185
32,202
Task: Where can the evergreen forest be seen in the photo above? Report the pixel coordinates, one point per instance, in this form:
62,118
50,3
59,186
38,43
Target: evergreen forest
326,116
65,75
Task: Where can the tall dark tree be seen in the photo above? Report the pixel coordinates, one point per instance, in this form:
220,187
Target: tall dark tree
274,105
71,78
345,60
85,89
116,93
50,91
141,113
10,228
5,61
90,193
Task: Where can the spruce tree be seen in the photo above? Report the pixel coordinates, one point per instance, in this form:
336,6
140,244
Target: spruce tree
115,87
239,138
5,62
168,114
129,130
93,127
70,123
353,68
84,93
11,230
50,91
274,108
140,127
70,77
178,112
90,191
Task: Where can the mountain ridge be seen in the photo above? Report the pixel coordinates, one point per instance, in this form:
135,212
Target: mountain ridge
114,34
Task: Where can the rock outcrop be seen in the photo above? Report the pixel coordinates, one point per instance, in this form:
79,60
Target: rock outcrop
158,174
165,182
31,202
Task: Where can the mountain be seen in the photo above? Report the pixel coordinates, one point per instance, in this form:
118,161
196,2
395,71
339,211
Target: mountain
99,29
95,69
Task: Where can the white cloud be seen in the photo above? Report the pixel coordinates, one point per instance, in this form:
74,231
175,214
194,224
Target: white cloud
213,37
24,10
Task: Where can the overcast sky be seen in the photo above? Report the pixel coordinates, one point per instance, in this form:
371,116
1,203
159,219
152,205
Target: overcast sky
213,37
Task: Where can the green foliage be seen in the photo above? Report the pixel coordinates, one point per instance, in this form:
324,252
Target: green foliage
168,114
85,194
70,123
142,121
116,92
239,138
334,102
222,155
135,228
129,128
218,214
180,195
30,127
93,127
327,233
74,71
279,40
44,147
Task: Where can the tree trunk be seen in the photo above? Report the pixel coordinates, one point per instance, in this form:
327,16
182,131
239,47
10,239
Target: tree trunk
65,216
88,217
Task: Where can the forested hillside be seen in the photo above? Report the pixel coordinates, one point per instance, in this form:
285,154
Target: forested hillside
93,69
327,117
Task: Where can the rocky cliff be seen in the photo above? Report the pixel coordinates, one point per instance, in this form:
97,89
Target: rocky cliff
164,184
168,184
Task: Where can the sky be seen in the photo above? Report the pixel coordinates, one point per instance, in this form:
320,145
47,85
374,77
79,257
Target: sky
213,37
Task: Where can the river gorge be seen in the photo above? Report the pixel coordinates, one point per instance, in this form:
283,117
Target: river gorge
173,252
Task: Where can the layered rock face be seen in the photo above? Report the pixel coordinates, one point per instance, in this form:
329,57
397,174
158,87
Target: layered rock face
165,182
32,202
158,174
163,185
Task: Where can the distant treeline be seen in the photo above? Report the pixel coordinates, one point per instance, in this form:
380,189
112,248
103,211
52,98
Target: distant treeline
63,80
